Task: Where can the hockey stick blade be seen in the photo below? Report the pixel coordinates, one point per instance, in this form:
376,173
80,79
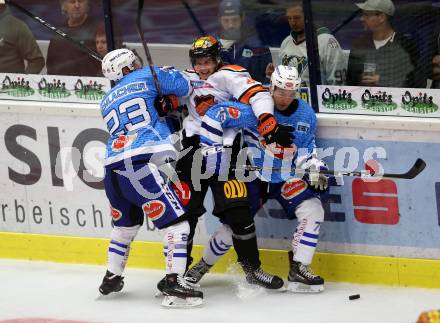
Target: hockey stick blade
61,33
144,44
415,170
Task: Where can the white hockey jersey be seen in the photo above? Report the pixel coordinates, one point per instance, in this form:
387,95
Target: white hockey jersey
229,83
330,55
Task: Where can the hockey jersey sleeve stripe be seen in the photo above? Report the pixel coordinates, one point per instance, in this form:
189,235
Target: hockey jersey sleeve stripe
234,68
250,92
212,130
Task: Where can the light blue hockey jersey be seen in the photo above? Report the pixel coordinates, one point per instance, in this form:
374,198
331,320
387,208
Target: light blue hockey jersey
136,131
237,115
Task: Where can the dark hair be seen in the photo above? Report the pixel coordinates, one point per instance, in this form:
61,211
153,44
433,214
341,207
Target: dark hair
100,30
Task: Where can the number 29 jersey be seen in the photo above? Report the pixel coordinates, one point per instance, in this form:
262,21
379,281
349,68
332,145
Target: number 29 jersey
136,130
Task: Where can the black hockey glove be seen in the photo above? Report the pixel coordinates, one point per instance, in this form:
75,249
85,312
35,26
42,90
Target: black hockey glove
165,104
273,132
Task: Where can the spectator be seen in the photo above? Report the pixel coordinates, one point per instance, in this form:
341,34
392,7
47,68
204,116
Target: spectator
381,56
436,68
101,40
436,59
293,50
64,57
19,52
239,47
101,44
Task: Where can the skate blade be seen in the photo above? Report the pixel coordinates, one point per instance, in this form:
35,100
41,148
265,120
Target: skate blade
282,289
177,302
301,288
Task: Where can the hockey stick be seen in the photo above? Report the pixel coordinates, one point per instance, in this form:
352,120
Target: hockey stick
61,33
345,22
146,50
415,170
194,18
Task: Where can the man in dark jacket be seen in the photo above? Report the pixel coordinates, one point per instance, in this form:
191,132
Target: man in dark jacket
239,47
17,46
64,57
381,56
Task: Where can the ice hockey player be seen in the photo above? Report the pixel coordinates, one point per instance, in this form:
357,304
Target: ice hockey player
212,82
139,144
298,195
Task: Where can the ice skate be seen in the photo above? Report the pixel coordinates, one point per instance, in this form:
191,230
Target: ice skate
195,274
301,279
111,283
260,277
178,293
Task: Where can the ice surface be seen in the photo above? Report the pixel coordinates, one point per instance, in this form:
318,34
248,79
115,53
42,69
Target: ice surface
70,292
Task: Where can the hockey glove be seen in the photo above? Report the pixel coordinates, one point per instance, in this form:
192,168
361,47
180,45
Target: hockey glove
165,104
273,132
316,180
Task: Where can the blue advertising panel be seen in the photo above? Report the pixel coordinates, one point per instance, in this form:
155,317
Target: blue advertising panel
392,213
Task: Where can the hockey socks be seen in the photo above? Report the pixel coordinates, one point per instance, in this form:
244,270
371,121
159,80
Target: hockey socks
175,244
119,248
219,244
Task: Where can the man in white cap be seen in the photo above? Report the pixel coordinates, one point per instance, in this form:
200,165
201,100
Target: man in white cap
381,56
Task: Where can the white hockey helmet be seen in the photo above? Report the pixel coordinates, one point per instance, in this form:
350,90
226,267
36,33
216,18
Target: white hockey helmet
115,61
285,77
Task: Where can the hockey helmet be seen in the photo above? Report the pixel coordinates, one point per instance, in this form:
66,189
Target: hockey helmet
285,77
206,46
115,61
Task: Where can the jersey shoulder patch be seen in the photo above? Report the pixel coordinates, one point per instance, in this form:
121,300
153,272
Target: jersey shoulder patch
233,68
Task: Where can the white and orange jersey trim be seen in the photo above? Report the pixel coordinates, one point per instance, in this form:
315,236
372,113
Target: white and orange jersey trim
230,82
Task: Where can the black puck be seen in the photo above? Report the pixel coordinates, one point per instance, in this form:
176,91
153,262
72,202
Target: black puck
355,296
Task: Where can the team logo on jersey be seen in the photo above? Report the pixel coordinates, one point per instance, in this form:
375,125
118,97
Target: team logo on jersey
302,127
123,142
300,62
233,112
182,191
276,151
154,209
115,213
293,187
235,189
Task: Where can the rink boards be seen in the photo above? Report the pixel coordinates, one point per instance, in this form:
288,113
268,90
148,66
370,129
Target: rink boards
53,207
